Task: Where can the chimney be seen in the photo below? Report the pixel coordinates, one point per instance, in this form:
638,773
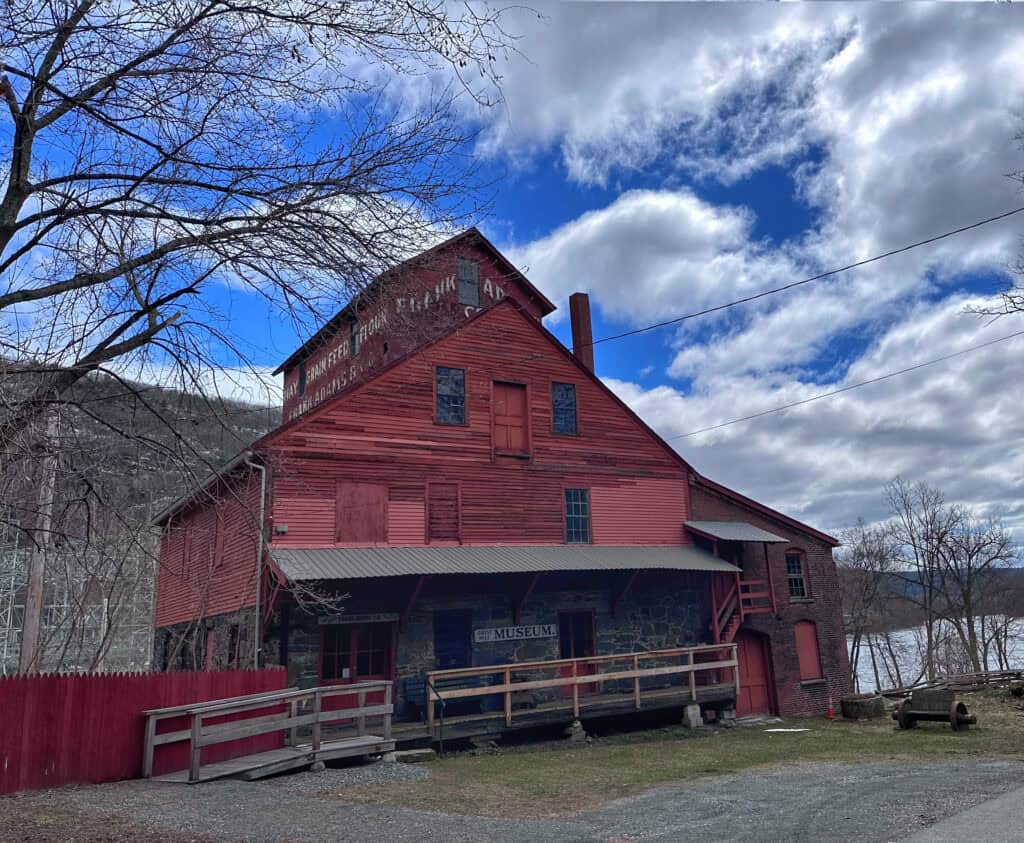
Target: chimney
582,334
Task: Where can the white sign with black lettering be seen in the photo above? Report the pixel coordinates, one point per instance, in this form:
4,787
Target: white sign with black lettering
515,633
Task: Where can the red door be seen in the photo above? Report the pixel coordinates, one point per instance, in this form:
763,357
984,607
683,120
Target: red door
755,675
576,641
510,418
354,652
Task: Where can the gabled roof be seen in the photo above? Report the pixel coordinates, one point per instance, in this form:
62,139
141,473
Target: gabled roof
461,326
743,500
471,234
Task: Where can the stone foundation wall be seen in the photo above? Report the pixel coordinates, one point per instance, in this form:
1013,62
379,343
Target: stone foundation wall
653,616
184,646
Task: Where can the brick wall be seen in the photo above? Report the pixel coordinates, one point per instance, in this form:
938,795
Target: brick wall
823,607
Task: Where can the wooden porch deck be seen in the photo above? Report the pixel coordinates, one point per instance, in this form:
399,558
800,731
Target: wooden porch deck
492,724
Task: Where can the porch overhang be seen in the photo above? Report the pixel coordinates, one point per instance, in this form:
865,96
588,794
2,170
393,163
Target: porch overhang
345,563
733,531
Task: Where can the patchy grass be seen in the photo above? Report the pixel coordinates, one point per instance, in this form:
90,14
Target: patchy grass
551,780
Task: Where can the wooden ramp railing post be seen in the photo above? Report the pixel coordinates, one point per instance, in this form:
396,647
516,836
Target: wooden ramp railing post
147,756
390,712
575,692
293,712
361,720
636,681
317,708
508,696
693,675
195,747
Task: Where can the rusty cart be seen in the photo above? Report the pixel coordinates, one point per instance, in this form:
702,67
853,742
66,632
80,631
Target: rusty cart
933,704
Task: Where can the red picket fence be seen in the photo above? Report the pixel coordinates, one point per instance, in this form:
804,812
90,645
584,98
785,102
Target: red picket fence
58,729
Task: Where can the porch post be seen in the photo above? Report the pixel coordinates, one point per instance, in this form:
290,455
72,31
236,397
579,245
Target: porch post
771,579
716,637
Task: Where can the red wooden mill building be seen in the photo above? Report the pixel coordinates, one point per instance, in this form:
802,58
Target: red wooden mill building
457,504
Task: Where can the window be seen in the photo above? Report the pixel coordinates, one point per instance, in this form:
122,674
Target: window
469,282
807,651
563,408
451,395
577,516
509,410
354,340
355,651
336,652
795,574
302,377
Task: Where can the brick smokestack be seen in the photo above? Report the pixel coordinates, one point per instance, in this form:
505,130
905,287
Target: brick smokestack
582,333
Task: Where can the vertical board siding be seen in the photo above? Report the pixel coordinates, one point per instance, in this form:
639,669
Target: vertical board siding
88,728
384,432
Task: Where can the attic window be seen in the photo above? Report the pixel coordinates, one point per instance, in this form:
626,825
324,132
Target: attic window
354,340
302,377
469,282
563,408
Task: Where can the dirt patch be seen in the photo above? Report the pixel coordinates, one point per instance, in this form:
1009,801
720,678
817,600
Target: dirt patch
29,819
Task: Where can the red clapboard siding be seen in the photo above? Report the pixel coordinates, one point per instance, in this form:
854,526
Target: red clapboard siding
384,433
410,310
208,556
88,728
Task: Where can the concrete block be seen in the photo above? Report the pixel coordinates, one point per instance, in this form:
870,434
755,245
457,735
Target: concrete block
414,756
691,716
318,766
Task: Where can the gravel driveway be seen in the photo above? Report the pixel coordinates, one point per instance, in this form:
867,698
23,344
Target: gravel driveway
800,802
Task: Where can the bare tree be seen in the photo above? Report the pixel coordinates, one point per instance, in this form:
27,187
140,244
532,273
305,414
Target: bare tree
867,559
973,555
158,147
921,525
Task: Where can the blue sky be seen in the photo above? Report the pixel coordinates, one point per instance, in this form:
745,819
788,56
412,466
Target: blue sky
667,158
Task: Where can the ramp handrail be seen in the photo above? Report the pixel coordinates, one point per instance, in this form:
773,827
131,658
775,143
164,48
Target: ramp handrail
509,684
200,734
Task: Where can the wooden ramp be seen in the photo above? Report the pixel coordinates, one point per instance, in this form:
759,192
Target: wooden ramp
282,712
271,762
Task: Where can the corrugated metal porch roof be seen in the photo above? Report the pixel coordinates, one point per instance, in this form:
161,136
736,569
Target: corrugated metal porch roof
330,563
735,531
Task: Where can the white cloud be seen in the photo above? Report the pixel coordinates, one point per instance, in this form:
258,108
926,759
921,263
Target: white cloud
956,425
652,254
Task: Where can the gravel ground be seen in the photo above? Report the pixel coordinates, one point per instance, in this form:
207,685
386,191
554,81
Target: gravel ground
802,802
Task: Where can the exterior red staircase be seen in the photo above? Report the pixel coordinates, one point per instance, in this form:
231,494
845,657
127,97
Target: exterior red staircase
744,597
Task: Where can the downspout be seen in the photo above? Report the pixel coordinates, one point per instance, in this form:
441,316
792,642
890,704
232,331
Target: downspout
257,647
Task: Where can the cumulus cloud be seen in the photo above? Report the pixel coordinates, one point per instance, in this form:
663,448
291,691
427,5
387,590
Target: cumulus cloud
895,124
653,253
955,425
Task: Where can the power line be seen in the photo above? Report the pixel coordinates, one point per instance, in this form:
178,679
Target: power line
818,277
884,377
